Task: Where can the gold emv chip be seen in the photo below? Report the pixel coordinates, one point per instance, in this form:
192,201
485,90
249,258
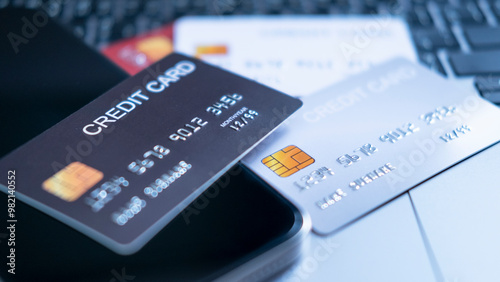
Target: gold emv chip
72,181
288,161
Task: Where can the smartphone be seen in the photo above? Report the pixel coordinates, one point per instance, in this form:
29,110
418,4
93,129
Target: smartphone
238,229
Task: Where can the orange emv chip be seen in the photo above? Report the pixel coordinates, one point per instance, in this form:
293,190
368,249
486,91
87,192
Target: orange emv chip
72,181
288,161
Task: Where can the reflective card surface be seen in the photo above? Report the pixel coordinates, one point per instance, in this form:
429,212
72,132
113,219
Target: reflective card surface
359,143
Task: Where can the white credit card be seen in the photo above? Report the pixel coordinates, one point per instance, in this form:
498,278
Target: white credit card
298,55
359,143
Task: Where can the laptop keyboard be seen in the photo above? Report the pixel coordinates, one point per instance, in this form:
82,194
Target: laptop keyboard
465,34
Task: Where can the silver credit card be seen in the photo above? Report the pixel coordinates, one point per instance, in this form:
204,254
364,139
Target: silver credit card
360,143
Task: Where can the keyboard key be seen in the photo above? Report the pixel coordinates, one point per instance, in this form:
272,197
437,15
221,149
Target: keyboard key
52,8
272,7
142,24
489,87
220,7
429,39
152,8
67,13
181,6
103,7
117,31
370,6
493,97
132,8
17,3
488,83
83,8
106,24
167,12
431,60
355,7
419,16
468,12
479,37
32,4
199,6
91,30
79,31
128,30
485,62
495,5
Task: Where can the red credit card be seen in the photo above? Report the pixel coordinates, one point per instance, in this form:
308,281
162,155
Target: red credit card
136,53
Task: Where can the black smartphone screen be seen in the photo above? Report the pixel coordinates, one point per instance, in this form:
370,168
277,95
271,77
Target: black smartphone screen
49,77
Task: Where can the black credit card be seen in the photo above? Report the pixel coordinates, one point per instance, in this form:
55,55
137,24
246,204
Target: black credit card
123,166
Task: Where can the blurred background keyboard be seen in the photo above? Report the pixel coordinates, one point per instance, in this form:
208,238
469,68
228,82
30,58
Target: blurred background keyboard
459,39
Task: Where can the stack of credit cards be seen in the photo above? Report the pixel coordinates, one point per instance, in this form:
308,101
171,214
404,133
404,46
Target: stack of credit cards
122,167
360,143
